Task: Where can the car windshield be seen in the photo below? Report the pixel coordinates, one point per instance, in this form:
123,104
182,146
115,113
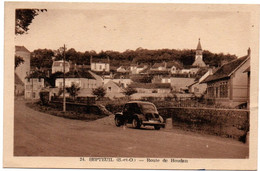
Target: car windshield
148,108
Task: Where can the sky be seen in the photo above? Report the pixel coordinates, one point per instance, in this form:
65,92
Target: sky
119,29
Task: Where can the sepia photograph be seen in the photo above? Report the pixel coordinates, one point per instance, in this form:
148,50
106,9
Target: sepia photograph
131,85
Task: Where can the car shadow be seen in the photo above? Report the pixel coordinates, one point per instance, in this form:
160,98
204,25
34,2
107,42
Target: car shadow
142,128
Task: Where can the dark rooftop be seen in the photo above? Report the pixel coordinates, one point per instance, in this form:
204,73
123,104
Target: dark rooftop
225,70
77,74
21,48
150,85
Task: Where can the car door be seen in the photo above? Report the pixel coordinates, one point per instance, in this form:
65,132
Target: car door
128,111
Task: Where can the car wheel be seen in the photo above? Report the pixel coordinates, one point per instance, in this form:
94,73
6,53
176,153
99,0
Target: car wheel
156,127
118,121
136,123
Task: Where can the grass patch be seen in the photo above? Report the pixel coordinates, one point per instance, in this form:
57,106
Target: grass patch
57,111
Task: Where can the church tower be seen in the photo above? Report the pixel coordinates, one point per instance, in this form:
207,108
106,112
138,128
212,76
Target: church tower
199,57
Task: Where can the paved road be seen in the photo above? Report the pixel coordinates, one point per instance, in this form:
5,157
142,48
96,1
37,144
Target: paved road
40,134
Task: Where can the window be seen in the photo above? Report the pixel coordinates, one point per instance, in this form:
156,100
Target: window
223,90
33,95
109,88
28,87
210,91
216,95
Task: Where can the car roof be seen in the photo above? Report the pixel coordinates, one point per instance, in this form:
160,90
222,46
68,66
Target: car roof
143,102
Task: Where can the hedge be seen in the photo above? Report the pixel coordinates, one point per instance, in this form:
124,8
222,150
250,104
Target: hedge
223,122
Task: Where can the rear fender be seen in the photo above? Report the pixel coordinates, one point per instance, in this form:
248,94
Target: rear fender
119,114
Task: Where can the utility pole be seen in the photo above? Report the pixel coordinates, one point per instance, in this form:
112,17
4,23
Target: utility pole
64,98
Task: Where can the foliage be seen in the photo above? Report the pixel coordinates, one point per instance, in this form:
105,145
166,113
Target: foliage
37,74
18,61
23,18
183,57
42,58
52,78
129,91
100,92
44,97
73,90
223,122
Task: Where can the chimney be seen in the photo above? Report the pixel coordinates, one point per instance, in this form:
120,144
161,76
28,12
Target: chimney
90,59
210,71
249,51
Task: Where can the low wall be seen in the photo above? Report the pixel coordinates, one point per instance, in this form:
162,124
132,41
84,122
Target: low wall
222,122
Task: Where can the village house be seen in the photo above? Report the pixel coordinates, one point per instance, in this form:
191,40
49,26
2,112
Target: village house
169,67
197,87
136,69
178,84
22,70
159,66
100,64
123,82
57,66
228,86
248,86
19,85
86,81
113,90
123,69
33,86
150,90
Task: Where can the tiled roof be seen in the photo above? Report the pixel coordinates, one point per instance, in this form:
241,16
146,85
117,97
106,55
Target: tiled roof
57,63
173,63
77,74
158,72
21,48
157,65
150,85
226,70
141,66
145,70
124,67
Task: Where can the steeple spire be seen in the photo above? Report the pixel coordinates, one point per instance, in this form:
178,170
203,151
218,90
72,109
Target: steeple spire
199,57
199,45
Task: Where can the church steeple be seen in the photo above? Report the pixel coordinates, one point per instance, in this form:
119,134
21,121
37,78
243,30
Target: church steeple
199,58
198,51
199,45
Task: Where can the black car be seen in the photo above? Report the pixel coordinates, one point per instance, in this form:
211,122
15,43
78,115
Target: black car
139,113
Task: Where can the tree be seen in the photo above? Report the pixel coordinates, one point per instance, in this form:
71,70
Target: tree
73,90
23,18
129,91
42,58
100,92
18,61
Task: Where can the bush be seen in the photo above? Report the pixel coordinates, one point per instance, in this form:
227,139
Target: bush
44,97
222,122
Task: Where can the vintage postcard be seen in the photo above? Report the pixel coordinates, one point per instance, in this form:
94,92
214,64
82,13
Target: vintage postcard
131,85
